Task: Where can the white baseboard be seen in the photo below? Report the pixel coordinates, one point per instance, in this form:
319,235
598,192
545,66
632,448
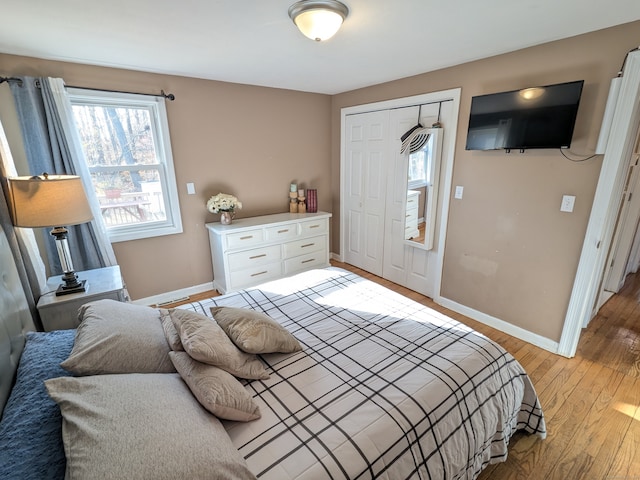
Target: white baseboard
336,257
513,330
176,295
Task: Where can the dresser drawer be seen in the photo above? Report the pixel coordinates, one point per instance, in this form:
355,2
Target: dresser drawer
251,258
248,238
254,275
305,262
311,227
306,245
281,233
412,202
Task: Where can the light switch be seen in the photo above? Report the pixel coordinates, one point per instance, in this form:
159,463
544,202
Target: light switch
191,188
459,192
567,203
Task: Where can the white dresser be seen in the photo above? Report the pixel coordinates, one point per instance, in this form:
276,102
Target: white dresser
257,249
411,214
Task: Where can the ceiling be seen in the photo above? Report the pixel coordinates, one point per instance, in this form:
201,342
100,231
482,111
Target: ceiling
254,41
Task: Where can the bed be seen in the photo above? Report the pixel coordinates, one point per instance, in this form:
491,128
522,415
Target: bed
382,387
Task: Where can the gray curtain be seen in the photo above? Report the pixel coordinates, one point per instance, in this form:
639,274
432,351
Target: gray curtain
28,277
47,150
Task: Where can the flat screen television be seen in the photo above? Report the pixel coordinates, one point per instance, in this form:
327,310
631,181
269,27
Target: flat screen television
537,117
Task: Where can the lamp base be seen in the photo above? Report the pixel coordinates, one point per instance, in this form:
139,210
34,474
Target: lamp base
64,289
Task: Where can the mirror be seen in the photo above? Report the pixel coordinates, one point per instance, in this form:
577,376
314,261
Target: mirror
422,191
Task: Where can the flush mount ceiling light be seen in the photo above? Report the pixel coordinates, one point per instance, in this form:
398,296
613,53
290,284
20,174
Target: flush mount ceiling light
318,20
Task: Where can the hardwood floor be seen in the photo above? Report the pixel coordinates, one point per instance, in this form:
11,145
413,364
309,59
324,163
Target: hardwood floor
591,402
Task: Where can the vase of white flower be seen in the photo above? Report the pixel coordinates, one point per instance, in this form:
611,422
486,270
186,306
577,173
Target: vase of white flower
226,218
225,205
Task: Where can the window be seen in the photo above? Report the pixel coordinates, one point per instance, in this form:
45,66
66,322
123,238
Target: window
125,138
419,167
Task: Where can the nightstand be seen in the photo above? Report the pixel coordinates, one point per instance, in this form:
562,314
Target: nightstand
59,313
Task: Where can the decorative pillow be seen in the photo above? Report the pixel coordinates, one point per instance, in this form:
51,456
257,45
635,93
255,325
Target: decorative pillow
139,426
205,341
254,332
218,391
170,332
118,337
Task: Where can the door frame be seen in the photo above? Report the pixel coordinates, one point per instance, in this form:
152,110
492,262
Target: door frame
444,95
606,202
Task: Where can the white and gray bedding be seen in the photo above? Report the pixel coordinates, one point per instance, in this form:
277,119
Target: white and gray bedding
382,388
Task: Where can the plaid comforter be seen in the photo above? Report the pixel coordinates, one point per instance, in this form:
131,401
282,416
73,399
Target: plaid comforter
384,387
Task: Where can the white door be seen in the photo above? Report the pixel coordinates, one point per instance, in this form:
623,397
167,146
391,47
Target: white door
365,186
373,177
625,229
398,262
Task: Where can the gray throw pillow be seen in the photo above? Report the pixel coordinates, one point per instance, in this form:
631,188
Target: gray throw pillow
204,340
255,332
141,426
118,337
218,391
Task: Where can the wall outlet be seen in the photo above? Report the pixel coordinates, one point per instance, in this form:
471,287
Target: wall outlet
459,192
567,203
191,188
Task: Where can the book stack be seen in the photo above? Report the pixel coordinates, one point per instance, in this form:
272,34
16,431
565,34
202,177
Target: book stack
312,200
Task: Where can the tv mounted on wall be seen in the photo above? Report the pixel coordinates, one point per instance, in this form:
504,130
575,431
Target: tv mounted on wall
537,117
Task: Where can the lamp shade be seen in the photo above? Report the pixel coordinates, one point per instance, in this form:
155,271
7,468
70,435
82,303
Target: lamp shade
318,20
48,201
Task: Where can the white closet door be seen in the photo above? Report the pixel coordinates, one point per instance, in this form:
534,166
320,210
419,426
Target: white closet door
365,189
626,228
399,264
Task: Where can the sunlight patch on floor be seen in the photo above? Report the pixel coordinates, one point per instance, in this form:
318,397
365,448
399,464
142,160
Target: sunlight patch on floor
630,410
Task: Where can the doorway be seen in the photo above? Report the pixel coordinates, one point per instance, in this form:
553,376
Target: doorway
604,212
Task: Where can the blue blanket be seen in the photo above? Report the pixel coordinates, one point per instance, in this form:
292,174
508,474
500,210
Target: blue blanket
31,427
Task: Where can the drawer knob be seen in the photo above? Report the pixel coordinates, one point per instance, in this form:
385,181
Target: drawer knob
314,226
248,237
307,245
283,231
307,261
259,273
258,256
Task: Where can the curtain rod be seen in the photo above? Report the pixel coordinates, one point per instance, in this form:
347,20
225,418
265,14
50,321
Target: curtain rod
168,96
11,79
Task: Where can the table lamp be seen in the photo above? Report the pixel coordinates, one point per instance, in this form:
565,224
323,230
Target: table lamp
52,201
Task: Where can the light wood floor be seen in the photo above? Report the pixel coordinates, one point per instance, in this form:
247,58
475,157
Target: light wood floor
590,401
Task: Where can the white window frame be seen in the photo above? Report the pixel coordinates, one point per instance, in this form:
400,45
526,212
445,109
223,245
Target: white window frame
413,184
160,130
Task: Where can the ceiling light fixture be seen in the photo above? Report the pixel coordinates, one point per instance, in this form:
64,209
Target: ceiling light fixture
318,20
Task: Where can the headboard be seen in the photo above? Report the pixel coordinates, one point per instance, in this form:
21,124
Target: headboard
15,319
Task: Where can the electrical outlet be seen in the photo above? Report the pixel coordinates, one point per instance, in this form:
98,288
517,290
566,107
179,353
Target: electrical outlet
191,188
567,203
459,192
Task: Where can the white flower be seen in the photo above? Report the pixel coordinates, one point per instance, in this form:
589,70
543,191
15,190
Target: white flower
223,202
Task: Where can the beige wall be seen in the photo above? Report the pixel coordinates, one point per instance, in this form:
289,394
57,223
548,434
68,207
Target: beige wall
252,142
510,252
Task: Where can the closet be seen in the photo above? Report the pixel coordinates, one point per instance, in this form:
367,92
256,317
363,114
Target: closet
380,185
